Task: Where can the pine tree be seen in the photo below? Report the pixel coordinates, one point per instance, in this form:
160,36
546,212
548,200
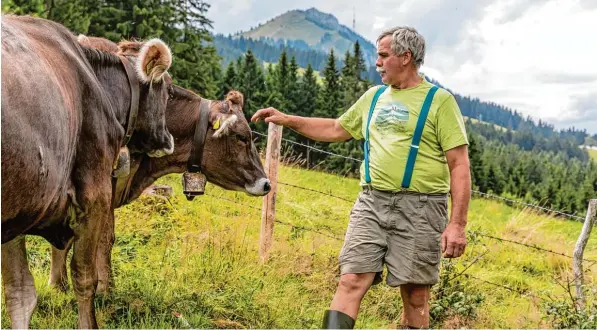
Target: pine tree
330,98
476,162
251,84
308,92
229,82
293,96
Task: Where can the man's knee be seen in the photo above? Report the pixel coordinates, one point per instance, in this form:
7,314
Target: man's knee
417,296
355,283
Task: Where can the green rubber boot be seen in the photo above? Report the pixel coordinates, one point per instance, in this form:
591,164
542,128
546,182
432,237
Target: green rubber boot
337,320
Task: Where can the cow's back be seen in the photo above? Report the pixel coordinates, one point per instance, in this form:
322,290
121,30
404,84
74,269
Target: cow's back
46,83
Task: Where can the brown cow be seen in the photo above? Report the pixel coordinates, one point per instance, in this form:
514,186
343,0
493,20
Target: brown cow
65,108
230,160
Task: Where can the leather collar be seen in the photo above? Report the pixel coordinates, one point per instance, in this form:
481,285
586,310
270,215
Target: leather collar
194,163
134,109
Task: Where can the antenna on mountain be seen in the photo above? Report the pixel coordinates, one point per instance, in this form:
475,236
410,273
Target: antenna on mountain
354,28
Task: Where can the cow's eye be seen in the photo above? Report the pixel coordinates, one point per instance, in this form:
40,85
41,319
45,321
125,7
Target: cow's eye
242,138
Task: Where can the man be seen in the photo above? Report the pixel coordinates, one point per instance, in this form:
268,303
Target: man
400,219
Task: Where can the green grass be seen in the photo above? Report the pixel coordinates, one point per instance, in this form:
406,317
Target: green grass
592,153
201,259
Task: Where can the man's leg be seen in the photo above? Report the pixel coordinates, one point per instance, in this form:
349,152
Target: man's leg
347,300
351,290
415,298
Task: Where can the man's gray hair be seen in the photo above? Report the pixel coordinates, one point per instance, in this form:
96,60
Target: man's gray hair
406,38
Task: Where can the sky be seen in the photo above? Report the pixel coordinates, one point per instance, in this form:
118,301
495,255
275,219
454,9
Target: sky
538,57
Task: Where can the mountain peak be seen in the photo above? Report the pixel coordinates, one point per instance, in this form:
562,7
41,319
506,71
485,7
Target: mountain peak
314,29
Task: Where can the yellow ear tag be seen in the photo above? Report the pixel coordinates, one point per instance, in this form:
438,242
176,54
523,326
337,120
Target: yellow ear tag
217,124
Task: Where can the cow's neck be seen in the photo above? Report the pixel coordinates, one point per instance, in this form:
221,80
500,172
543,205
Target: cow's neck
182,105
112,76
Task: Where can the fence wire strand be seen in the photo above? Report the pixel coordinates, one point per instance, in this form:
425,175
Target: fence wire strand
545,209
520,292
277,220
317,191
531,246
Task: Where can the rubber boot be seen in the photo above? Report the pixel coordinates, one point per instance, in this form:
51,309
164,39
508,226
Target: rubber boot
337,320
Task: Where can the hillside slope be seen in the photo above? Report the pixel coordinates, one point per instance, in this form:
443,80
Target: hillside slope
200,259
313,29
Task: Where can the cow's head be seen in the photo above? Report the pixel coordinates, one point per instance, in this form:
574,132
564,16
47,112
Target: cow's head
230,159
152,60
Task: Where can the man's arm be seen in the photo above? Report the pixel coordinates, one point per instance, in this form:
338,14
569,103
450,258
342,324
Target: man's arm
454,237
319,129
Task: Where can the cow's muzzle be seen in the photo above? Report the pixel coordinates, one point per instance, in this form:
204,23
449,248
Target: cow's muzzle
259,188
164,151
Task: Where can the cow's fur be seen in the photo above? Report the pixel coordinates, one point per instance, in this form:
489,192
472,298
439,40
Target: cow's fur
64,107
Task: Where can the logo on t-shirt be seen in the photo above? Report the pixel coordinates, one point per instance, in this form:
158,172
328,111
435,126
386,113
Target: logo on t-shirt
392,118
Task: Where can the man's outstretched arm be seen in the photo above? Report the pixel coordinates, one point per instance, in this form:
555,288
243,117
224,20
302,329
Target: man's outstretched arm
318,129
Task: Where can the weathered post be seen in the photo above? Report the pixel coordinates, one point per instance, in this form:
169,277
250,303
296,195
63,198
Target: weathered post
579,250
268,212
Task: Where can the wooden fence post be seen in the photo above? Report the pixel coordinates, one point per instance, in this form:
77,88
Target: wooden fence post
268,212
579,250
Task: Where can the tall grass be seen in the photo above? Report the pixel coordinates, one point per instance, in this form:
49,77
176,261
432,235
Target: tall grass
180,264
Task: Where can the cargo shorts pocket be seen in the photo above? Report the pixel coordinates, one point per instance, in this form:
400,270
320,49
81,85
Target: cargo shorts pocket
436,214
356,214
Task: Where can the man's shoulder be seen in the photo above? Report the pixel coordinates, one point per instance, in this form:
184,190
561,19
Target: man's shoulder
372,90
441,95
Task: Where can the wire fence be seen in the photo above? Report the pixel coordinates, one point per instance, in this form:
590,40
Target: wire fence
531,246
545,209
524,293
463,272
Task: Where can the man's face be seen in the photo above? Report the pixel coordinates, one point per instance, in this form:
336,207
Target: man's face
389,65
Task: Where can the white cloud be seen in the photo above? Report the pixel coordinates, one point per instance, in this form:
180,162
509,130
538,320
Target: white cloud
537,57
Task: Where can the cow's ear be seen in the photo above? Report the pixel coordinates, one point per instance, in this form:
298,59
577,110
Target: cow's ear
129,48
221,124
235,97
155,59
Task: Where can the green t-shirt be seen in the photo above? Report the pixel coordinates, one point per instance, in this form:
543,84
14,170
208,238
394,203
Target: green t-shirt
390,134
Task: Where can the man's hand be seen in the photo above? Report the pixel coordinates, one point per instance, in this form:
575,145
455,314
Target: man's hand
270,115
453,240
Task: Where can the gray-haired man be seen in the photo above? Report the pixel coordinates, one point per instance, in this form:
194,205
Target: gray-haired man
415,154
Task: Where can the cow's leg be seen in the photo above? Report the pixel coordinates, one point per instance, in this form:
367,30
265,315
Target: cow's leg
58,275
19,288
105,282
83,263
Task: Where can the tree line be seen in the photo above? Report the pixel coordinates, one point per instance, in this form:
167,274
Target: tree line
521,160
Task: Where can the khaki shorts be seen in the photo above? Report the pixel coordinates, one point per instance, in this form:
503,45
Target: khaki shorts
401,230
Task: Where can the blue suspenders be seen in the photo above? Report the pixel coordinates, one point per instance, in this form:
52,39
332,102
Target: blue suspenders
414,147
366,144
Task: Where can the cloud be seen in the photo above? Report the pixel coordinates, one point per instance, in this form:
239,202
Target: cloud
515,9
533,56
565,78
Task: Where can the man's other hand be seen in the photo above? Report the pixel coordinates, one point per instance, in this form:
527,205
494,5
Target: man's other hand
453,240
